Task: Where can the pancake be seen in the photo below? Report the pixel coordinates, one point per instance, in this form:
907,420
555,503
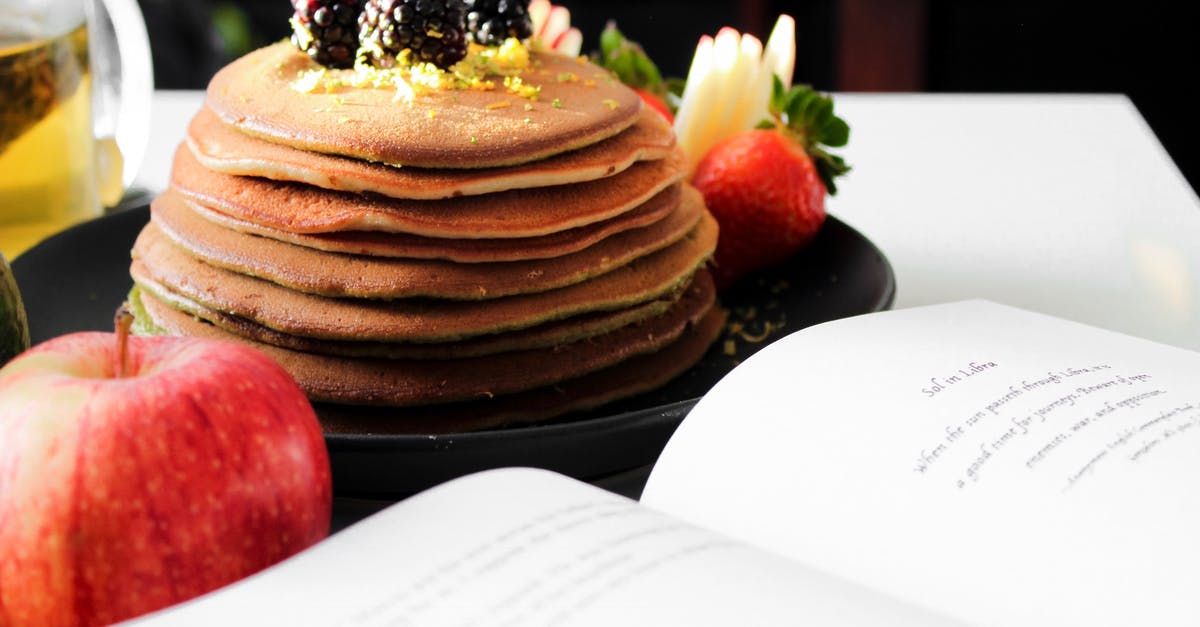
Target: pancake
632,376
542,336
337,275
161,267
300,208
399,382
222,148
578,105
463,251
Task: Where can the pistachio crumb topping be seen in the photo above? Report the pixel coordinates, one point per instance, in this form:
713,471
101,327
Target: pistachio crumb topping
556,103
610,103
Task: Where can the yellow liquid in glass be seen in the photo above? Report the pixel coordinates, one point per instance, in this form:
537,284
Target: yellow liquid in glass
47,151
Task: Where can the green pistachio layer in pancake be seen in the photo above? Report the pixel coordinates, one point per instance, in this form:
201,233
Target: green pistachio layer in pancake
358,276
578,105
303,208
401,382
160,267
541,336
637,374
222,148
628,378
378,244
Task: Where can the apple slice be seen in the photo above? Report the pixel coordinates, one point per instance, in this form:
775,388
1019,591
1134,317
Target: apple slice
747,96
569,42
690,114
729,85
779,55
552,28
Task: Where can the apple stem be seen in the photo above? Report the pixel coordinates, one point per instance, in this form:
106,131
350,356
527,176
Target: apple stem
123,320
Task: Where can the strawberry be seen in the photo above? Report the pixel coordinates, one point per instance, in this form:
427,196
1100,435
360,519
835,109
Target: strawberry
626,59
766,187
656,103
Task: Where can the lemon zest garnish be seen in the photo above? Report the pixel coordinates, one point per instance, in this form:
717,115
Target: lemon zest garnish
498,105
411,77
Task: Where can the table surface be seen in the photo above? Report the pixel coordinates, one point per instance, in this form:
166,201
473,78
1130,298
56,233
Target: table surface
1063,204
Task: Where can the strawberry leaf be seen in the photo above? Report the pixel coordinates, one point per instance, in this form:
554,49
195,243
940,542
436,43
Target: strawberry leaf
829,167
808,118
629,62
836,134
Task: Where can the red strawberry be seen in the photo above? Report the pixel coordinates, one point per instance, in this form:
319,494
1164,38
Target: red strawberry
656,103
766,187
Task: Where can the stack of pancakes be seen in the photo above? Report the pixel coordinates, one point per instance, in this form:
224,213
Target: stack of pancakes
464,258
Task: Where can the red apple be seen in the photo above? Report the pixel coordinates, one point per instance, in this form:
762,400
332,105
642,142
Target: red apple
129,484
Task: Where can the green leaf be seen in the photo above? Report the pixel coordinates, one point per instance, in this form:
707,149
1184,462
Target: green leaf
798,102
610,40
629,62
820,112
836,134
646,69
811,121
778,96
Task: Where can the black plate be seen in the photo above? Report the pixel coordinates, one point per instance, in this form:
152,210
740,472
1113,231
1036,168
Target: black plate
75,281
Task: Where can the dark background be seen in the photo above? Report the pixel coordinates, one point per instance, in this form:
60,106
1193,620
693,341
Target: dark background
1146,50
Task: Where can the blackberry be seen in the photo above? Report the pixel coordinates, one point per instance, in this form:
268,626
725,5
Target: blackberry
325,30
434,30
490,22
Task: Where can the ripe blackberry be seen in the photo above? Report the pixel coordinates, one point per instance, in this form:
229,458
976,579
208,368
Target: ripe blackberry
490,22
325,30
434,30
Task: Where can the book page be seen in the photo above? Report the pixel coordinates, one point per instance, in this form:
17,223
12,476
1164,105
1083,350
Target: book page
529,547
1003,467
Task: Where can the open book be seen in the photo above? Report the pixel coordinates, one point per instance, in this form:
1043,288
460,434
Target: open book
964,463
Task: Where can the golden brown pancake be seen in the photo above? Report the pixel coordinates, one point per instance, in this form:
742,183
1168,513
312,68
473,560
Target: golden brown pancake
542,336
579,104
222,148
302,208
400,382
161,267
632,376
357,276
378,244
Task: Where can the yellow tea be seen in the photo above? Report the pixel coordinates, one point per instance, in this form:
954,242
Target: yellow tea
47,153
